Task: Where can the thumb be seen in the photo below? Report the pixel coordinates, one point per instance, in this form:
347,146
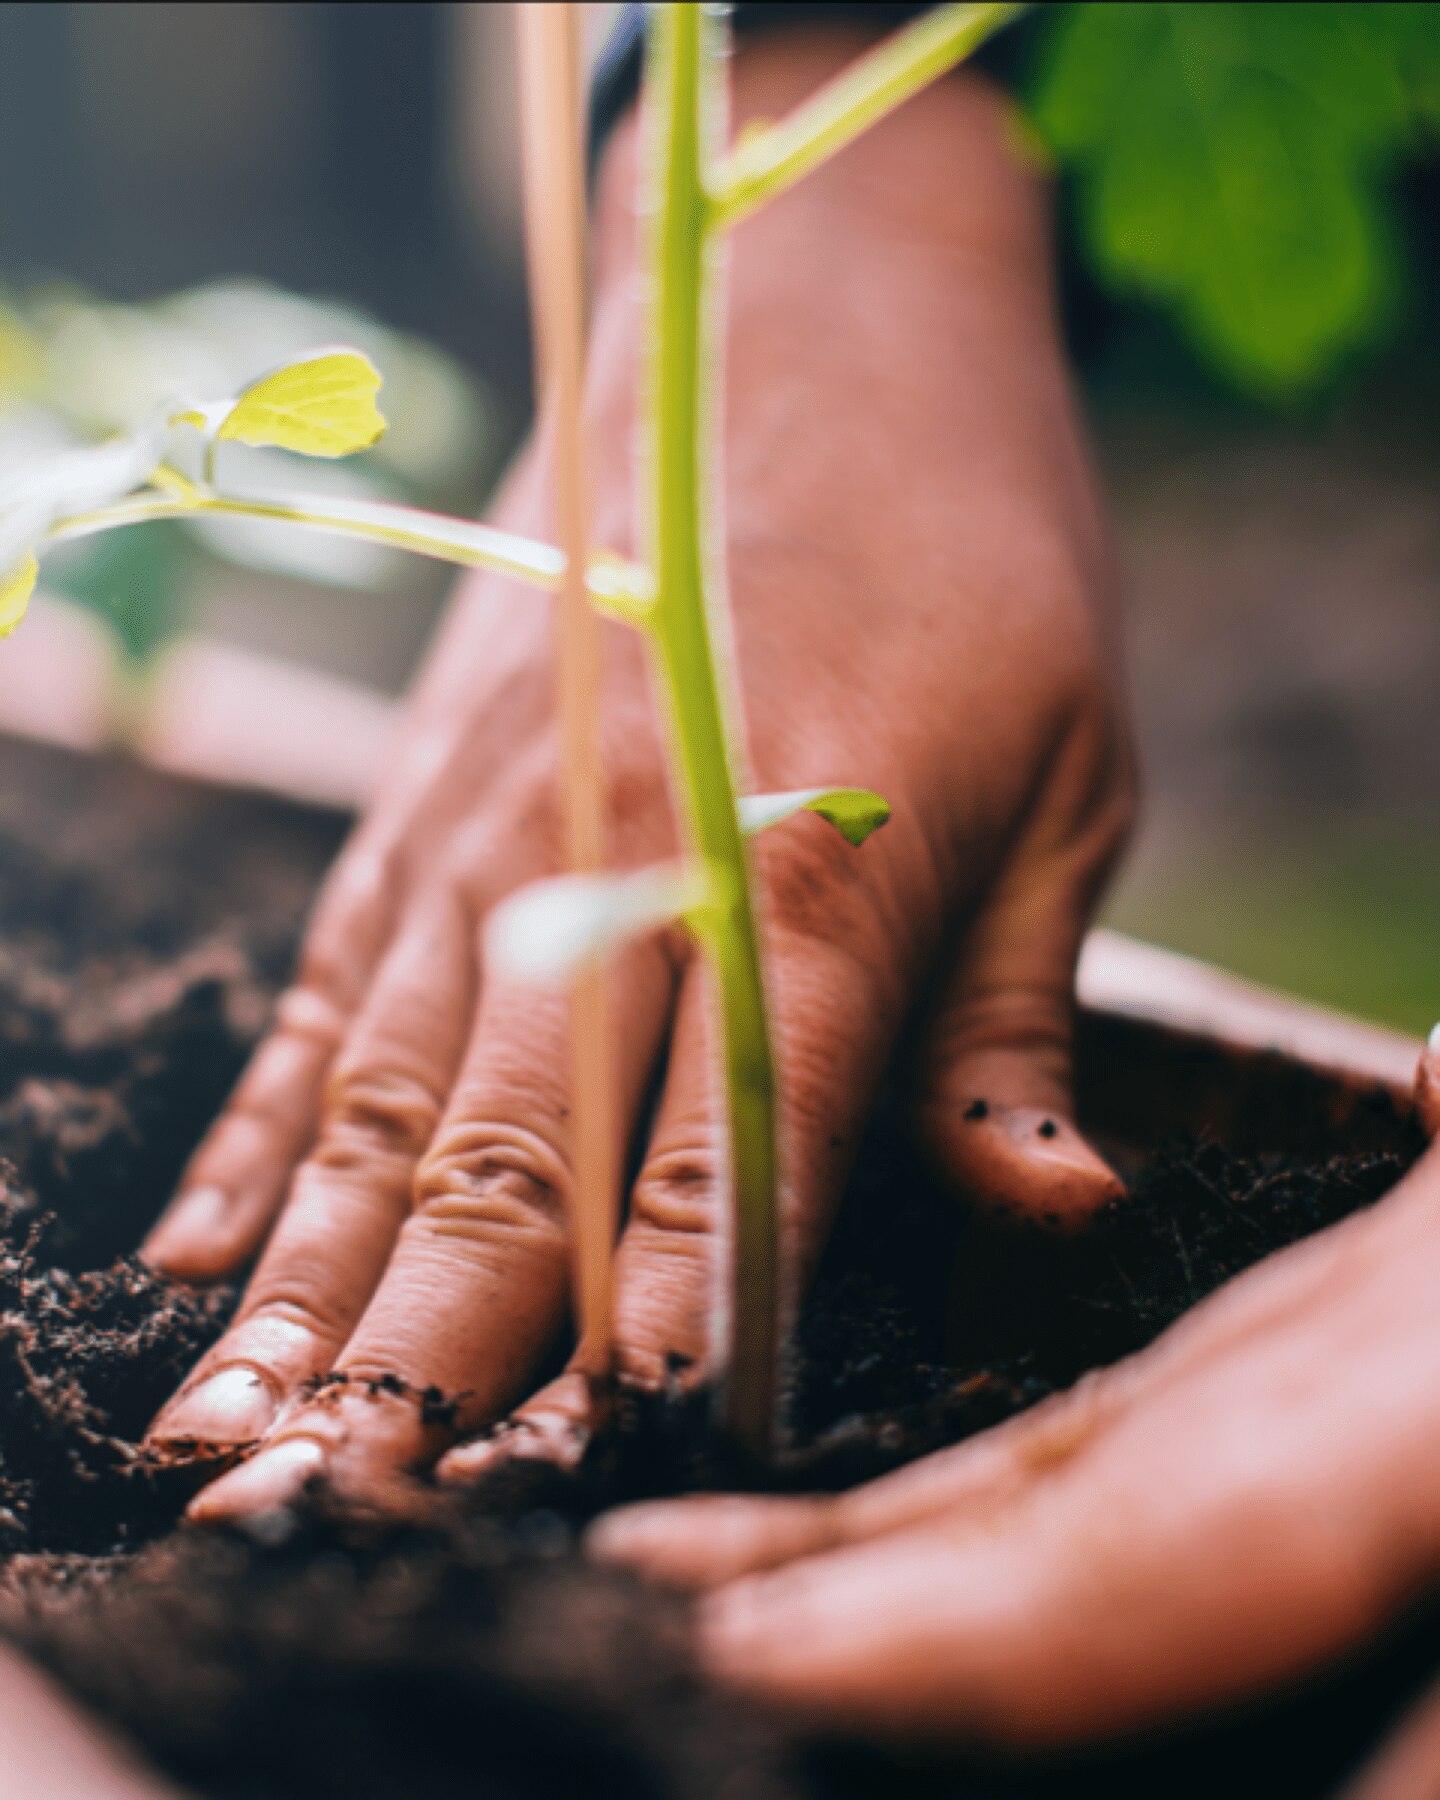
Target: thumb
997,1108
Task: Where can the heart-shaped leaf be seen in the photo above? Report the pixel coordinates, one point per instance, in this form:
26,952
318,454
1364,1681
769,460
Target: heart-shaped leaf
854,812
322,404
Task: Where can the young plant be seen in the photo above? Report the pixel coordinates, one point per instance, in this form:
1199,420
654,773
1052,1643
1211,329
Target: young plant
324,405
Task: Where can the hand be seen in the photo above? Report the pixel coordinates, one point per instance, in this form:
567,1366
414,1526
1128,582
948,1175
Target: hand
918,569
1232,1508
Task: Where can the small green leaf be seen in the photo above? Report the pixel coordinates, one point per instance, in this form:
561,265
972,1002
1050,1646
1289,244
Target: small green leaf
15,591
854,812
322,404
547,932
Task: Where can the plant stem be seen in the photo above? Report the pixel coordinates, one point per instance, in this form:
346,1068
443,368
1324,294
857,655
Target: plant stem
616,587
677,417
771,158
551,114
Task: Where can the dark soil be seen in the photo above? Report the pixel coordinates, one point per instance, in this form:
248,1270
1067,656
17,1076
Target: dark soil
146,927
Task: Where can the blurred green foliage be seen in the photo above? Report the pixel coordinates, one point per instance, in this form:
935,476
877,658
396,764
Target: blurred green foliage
1340,910
1234,164
137,581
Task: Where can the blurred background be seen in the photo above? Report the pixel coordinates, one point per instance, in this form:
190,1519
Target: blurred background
1249,201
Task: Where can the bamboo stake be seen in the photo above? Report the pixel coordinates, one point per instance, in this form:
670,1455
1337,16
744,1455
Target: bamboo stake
551,111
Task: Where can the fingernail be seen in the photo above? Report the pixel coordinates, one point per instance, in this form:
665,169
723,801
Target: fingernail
269,1483
467,1463
232,1407
189,1229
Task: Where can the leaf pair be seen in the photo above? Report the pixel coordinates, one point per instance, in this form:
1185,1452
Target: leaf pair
321,404
1229,160
549,931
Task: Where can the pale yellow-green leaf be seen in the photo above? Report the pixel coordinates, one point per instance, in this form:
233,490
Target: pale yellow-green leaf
547,932
15,591
323,404
854,812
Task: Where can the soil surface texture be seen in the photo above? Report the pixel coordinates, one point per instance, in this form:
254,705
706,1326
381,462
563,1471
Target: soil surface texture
145,927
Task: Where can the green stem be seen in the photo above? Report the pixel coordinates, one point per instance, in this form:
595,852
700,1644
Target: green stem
676,99
616,587
771,158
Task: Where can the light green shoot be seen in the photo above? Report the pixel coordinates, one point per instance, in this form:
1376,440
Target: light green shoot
324,404
689,207
768,159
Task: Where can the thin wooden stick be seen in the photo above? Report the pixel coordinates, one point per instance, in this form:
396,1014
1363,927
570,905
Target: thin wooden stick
552,119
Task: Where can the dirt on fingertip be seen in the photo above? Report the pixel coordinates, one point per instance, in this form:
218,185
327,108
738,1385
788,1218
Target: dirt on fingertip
147,926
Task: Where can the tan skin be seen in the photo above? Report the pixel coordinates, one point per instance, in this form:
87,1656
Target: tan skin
53,1749
1256,1493
919,577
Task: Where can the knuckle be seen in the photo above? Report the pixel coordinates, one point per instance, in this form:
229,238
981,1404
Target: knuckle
372,1112
296,1306
485,1180
306,1012
679,1192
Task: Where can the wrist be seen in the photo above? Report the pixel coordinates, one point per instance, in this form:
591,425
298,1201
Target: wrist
953,166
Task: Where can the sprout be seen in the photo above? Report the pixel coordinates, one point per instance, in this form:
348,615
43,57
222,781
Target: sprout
319,404
324,404
854,812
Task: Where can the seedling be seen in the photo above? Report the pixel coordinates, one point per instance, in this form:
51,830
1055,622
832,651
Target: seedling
324,404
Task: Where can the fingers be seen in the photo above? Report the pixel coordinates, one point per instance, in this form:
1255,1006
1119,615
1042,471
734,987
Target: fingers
233,1187
1131,1588
554,1427
350,1195
707,1539
477,1284
704,1540
834,1018
998,1106
1234,1524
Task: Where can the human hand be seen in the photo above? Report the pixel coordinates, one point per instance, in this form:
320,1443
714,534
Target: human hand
1249,1497
918,570
54,1748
